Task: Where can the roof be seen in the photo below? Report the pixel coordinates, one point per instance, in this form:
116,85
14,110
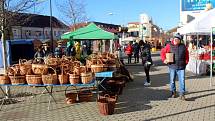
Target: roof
35,20
107,27
173,30
134,23
90,32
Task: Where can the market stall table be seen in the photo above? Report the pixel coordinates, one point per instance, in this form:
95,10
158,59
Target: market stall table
104,75
49,91
198,67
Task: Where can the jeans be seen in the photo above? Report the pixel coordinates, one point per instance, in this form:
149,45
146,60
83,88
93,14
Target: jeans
129,58
181,79
136,57
147,68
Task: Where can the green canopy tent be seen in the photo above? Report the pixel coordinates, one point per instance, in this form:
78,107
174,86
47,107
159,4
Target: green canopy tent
90,32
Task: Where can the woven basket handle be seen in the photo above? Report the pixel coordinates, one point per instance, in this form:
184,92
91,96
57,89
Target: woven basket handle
99,60
10,69
55,72
22,61
70,86
81,90
85,69
37,59
107,95
62,69
29,70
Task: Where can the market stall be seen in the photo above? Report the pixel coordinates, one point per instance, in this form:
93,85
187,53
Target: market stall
91,32
201,25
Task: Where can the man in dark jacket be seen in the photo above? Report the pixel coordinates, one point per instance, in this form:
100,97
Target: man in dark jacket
136,47
177,67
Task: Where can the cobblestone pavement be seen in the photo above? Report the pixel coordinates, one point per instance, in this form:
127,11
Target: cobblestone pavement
137,103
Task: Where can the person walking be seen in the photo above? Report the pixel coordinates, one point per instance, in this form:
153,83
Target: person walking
177,67
136,47
145,53
128,51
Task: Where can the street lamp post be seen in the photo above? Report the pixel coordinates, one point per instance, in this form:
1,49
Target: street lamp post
4,50
143,28
142,32
51,29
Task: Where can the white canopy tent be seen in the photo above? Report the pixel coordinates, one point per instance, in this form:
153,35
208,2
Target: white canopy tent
201,25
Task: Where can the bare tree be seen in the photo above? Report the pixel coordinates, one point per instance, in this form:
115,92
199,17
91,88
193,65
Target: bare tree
73,11
10,14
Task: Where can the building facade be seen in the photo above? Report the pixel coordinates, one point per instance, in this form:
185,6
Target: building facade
38,27
148,32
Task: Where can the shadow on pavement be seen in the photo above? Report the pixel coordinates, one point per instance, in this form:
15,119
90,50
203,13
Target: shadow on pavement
137,97
192,76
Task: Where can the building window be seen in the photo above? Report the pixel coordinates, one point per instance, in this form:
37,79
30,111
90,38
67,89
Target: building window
14,33
59,32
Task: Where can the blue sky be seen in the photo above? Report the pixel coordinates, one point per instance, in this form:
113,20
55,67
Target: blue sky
165,13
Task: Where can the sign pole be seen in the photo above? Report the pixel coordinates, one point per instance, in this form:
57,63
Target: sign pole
211,64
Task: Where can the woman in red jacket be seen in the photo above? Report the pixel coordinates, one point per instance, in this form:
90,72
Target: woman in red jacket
128,51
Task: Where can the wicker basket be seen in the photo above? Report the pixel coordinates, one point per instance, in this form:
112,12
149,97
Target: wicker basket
63,77
53,62
83,69
98,68
71,97
85,95
4,79
50,78
74,79
86,77
39,69
10,71
106,104
76,70
24,67
33,79
16,80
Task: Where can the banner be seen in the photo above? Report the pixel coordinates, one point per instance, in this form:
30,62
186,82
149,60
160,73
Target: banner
193,5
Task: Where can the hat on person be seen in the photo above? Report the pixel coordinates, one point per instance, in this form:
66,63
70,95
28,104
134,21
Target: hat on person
178,36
